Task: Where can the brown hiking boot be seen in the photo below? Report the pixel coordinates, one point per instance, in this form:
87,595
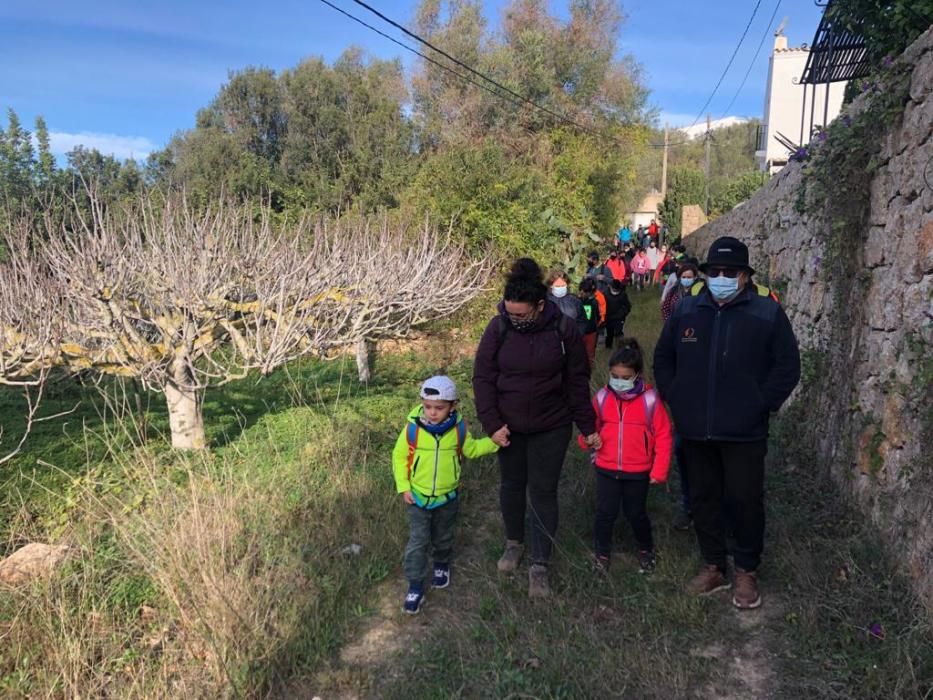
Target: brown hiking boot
709,580
745,595
538,586
510,558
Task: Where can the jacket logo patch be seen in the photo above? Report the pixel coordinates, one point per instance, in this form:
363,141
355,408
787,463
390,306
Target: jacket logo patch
689,336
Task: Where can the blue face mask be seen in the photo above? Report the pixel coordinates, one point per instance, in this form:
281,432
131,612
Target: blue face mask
687,281
559,292
723,288
621,385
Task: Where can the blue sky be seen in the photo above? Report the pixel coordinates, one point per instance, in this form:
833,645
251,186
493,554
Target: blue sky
124,76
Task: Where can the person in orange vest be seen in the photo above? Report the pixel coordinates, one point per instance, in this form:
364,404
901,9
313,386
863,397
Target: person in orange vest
616,265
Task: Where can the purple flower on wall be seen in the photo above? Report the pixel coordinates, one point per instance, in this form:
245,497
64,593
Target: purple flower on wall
817,261
801,154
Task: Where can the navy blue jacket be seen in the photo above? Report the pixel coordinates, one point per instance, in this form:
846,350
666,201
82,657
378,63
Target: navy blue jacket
723,370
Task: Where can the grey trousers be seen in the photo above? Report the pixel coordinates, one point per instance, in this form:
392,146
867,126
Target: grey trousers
429,528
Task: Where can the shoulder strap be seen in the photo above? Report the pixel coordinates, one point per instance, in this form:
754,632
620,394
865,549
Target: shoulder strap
563,331
697,288
461,437
764,291
411,435
601,397
503,331
650,397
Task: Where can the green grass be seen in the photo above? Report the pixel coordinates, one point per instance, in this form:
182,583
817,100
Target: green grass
299,468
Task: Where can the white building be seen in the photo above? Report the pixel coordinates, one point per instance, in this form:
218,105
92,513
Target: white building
792,109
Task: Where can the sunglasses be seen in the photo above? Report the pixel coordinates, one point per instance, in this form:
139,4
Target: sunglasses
730,272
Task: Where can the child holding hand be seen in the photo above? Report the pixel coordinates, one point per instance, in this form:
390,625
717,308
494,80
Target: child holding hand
635,451
426,463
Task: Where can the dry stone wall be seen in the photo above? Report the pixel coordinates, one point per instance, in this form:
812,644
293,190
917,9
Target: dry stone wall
870,351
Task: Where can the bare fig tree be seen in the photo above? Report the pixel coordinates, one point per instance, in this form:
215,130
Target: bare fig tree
184,301
30,329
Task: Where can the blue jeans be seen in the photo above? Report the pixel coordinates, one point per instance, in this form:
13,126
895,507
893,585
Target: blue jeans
433,528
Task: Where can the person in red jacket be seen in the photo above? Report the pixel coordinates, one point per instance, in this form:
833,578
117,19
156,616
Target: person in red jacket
635,451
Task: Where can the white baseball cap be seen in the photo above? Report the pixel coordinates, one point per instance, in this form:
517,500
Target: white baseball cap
440,388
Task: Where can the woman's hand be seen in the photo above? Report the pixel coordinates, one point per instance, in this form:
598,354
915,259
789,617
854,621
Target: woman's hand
594,441
501,436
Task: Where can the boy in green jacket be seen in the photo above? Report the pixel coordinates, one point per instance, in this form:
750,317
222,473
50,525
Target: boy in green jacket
426,462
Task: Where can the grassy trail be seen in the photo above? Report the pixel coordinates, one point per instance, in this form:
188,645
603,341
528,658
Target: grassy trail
227,574
825,581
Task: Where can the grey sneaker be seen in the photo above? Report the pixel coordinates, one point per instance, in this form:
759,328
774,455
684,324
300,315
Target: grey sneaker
538,586
508,562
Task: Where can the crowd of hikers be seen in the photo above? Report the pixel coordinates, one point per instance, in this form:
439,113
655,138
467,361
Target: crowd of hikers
725,360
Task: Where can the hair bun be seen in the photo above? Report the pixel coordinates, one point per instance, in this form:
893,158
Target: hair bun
526,268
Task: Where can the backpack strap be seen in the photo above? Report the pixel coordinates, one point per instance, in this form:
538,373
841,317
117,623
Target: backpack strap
562,330
650,397
411,435
601,397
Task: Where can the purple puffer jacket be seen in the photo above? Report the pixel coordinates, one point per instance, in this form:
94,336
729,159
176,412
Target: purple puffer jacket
529,385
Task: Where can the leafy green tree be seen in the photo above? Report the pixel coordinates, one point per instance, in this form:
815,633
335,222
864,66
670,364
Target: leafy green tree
888,26
685,186
728,193
16,161
45,165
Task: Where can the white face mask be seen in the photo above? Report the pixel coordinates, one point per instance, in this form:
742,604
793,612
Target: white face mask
559,292
622,385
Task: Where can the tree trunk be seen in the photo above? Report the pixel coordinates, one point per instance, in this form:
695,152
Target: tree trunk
364,351
184,409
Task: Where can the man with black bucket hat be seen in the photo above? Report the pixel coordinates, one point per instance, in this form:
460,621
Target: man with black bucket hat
726,359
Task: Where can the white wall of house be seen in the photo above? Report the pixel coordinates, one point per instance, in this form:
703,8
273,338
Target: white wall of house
784,104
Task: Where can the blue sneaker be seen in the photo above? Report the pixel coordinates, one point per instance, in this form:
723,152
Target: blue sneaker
441,575
413,600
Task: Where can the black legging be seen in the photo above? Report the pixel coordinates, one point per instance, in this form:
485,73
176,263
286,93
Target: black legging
532,462
632,494
613,330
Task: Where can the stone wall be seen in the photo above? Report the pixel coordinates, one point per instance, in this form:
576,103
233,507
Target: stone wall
870,351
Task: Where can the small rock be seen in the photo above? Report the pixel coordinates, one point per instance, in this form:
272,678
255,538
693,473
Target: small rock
352,550
147,613
33,561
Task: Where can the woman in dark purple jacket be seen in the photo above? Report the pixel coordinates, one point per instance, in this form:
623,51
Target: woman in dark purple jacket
532,382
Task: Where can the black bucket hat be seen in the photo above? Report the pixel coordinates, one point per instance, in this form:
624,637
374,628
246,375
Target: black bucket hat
728,252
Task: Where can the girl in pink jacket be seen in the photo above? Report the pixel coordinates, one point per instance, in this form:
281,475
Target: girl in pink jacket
641,268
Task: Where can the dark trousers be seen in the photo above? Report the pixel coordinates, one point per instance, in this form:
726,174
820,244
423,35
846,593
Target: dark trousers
613,330
632,495
532,463
429,529
681,459
733,472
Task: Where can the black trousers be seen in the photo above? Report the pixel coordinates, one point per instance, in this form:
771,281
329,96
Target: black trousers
632,495
613,330
532,463
728,472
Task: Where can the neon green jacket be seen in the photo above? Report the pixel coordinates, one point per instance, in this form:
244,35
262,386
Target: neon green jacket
435,465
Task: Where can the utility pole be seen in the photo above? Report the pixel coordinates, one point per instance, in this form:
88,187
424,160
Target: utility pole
709,138
664,165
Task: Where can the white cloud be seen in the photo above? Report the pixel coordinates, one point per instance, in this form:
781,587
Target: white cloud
122,147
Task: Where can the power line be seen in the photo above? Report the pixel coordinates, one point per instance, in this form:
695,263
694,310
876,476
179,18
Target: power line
517,101
754,58
728,65
418,53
